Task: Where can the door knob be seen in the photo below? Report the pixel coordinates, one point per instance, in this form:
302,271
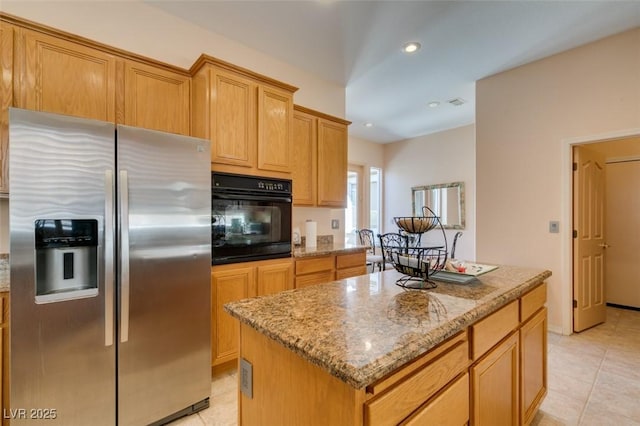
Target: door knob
604,245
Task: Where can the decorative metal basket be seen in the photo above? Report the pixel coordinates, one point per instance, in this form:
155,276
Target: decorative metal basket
417,264
416,224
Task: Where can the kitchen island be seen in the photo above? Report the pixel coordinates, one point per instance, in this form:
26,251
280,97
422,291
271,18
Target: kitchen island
364,351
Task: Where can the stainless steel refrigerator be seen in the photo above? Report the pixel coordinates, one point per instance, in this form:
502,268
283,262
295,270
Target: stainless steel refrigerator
110,246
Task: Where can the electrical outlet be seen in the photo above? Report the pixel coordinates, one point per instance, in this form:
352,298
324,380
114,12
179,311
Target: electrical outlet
335,224
246,378
554,226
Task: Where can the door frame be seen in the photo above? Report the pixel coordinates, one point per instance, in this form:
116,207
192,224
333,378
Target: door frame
566,241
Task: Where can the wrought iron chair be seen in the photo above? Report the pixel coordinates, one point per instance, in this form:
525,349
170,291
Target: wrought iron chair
366,239
388,241
453,247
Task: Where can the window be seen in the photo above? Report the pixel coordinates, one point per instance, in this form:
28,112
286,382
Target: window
357,215
375,197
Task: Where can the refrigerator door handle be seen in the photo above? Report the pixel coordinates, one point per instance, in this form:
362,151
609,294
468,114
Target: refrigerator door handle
124,256
108,258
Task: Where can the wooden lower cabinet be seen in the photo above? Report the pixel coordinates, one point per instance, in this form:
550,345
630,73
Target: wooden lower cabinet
480,376
533,365
449,408
230,283
413,387
495,385
325,268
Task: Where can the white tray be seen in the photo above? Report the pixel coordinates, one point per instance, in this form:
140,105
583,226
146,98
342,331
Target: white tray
472,272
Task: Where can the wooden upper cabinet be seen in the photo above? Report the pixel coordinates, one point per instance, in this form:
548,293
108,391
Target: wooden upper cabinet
304,167
6,100
65,77
233,119
275,112
248,118
156,98
319,168
332,164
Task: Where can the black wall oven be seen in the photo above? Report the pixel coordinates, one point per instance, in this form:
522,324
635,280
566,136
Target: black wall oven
250,218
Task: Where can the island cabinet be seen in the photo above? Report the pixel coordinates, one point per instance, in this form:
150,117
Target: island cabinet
324,268
320,159
340,354
247,116
240,281
509,375
6,99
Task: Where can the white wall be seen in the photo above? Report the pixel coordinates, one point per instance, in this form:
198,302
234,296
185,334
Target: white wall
525,121
137,27
442,157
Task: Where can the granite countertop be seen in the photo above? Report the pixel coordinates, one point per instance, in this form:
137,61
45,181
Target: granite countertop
4,272
360,329
324,249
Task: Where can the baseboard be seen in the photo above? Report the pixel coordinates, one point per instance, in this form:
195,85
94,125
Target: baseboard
629,308
557,329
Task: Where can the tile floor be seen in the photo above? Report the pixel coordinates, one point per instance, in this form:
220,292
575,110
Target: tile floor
593,379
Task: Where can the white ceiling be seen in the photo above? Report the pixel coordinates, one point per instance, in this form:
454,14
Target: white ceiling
358,44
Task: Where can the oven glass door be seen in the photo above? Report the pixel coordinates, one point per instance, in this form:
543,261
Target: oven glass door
246,227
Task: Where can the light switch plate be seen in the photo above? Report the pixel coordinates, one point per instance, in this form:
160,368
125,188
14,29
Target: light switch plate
554,226
246,378
335,224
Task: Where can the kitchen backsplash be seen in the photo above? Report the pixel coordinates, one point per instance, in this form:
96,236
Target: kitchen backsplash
4,268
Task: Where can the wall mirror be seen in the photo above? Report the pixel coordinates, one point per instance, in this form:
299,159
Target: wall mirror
446,200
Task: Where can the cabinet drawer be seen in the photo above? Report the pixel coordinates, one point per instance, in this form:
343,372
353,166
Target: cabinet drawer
397,403
450,408
532,301
314,264
490,330
351,260
311,279
351,272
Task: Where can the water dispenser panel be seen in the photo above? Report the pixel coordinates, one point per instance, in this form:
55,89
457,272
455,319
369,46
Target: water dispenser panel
66,259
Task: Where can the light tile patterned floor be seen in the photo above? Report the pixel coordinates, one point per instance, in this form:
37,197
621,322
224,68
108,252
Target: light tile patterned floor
594,379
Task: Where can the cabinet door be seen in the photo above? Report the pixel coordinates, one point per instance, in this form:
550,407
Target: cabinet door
533,364
6,100
65,77
233,119
275,278
228,286
332,164
495,385
275,113
156,98
304,168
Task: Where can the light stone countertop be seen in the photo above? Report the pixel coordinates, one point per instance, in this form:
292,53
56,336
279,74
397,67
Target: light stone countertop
324,249
360,329
4,272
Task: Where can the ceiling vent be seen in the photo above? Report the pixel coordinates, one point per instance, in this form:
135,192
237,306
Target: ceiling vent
457,101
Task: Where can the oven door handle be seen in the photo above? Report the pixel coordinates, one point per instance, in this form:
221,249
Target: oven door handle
247,197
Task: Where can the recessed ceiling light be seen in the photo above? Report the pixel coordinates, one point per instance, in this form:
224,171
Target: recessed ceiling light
411,47
368,124
433,104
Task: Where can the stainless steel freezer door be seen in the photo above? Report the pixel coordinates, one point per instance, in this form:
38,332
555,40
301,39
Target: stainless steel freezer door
62,352
164,347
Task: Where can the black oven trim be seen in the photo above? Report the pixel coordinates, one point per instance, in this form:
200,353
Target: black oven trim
230,186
